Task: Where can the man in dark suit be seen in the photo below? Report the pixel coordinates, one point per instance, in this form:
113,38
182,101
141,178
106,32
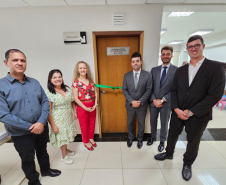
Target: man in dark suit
162,79
196,88
137,85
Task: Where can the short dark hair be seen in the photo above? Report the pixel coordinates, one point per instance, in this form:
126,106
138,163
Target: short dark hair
50,85
12,51
167,48
195,37
136,54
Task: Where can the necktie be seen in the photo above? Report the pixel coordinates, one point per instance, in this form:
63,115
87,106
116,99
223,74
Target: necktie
136,80
163,76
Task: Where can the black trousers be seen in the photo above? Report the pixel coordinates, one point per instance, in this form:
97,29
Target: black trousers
26,146
141,114
194,130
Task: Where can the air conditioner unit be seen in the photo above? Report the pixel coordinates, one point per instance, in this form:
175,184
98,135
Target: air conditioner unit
118,18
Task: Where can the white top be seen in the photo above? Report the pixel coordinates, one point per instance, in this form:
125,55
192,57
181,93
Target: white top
163,69
138,75
192,70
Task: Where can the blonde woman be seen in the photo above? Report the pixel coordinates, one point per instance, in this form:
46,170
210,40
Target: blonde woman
86,98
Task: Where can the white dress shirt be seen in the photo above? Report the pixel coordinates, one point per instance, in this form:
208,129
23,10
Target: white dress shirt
138,75
163,69
192,70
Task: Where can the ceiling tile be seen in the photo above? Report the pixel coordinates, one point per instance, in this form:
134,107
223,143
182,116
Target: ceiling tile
45,2
165,1
85,2
125,2
12,3
204,1
181,28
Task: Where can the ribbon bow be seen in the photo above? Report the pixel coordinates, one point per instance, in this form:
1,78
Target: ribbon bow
106,86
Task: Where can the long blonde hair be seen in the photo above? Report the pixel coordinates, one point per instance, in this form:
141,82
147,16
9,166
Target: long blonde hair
76,74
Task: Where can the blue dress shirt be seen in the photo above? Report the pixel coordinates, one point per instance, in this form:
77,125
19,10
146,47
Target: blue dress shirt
22,104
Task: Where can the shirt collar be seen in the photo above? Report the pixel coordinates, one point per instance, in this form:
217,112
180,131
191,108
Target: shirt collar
200,62
11,79
166,65
137,71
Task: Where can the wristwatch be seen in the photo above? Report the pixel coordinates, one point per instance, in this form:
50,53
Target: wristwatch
189,113
162,101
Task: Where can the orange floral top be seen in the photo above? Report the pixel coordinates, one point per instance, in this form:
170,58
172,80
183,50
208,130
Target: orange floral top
85,92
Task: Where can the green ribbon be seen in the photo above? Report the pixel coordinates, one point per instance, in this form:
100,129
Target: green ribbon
106,86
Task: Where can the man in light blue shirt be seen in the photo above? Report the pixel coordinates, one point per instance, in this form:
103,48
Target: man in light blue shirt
24,110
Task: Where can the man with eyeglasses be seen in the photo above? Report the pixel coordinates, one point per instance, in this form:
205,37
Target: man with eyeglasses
196,88
160,103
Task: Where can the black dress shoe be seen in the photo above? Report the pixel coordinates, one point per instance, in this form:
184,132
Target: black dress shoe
129,142
151,141
161,146
38,183
35,183
52,173
186,172
162,156
139,144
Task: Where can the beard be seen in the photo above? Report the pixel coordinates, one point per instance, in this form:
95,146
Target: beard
136,67
166,62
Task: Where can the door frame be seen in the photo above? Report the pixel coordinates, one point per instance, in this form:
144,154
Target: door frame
97,34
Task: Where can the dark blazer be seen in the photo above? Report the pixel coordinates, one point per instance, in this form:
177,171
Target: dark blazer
204,92
143,91
163,91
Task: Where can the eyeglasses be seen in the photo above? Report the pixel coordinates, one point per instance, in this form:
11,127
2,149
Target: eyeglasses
196,46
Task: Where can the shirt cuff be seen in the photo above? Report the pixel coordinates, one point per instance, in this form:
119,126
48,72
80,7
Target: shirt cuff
42,120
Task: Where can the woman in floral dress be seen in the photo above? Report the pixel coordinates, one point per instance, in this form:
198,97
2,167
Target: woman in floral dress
86,98
61,120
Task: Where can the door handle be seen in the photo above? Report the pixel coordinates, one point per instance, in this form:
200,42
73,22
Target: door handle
102,92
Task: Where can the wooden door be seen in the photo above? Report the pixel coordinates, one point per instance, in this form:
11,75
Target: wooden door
111,70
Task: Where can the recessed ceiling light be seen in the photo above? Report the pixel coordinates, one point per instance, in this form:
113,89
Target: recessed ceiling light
180,14
163,31
176,42
202,32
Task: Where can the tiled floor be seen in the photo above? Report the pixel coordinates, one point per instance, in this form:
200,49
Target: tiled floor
113,163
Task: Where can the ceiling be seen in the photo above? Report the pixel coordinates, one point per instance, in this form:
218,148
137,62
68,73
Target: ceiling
24,3
179,28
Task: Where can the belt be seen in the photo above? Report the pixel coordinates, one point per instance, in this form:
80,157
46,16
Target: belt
86,100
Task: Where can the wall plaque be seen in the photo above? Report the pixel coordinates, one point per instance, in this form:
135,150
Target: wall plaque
78,37
118,51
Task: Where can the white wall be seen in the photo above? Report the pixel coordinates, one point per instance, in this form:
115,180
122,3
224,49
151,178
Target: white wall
216,53
183,57
38,32
176,56
214,49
